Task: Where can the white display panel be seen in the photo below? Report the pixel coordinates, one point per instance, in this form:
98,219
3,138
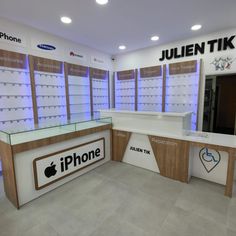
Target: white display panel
15,98
139,153
209,164
124,94
182,93
150,94
79,97
51,98
100,89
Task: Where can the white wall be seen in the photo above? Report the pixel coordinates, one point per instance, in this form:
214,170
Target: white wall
150,57
32,37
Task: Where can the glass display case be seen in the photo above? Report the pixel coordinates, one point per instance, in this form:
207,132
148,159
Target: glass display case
21,134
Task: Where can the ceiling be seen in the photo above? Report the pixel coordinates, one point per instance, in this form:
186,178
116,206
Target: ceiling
129,22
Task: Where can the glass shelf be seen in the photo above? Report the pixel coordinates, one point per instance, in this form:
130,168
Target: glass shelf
21,134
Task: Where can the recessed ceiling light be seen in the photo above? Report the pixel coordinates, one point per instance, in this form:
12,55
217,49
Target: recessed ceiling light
196,27
66,20
102,2
122,47
154,38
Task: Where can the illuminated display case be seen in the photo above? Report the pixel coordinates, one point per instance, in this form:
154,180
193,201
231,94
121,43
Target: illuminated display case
182,88
150,86
125,90
17,134
79,92
99,80
15,90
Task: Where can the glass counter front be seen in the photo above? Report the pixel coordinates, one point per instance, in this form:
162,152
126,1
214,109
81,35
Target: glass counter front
17,135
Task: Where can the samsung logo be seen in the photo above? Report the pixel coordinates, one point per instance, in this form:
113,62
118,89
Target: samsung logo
46,47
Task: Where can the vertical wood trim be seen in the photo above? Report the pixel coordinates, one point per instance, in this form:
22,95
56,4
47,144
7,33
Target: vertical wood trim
67,90
114,89
163,88
172,157
111,145
33,89
136,90
9,178
91,91
119,144
109,92
230,174
200,83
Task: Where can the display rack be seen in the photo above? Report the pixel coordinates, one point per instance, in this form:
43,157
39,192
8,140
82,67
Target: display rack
49,84
125,90
78,83
15,90
100,87
182,88
150,86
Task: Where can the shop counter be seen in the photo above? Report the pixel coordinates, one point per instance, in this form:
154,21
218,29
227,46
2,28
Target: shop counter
38,159
150,141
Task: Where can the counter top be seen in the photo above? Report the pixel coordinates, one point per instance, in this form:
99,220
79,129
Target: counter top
175,114
191,136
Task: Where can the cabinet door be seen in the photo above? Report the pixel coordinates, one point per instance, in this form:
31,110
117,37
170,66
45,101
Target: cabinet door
120,140
172,157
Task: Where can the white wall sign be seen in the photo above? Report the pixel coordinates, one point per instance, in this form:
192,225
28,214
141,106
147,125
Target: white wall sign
209,164
97,60
139,153
78,55
12,37
54,167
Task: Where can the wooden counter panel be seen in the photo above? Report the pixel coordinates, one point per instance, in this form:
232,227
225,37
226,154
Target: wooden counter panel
55,139
120,140
172,157
9,178
211,146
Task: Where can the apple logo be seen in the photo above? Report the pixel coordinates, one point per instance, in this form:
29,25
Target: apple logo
50,170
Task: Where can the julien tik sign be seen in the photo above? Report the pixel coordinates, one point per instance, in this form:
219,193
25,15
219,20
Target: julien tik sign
221,44
54,167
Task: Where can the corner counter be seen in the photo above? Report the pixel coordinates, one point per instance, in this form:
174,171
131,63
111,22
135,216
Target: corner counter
36,160
164,143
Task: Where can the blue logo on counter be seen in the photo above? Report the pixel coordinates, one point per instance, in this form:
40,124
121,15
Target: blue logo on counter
46,47
209,159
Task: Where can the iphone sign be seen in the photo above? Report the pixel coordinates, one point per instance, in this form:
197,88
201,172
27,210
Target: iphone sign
56,166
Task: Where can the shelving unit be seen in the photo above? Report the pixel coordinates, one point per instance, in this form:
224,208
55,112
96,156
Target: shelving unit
125,90
150,86
49,85
100,96
16,107
79,96
182,88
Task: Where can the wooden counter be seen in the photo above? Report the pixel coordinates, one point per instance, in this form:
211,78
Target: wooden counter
9,152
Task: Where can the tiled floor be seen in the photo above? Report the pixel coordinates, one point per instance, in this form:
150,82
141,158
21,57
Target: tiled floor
119,199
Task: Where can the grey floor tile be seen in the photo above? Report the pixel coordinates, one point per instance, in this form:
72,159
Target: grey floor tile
115,226
120,199
204,201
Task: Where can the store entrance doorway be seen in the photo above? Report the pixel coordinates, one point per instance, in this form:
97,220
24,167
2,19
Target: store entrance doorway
220,104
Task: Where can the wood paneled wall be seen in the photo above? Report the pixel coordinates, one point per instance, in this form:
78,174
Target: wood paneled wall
153,71
47,65
183,67
126,75
13,59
